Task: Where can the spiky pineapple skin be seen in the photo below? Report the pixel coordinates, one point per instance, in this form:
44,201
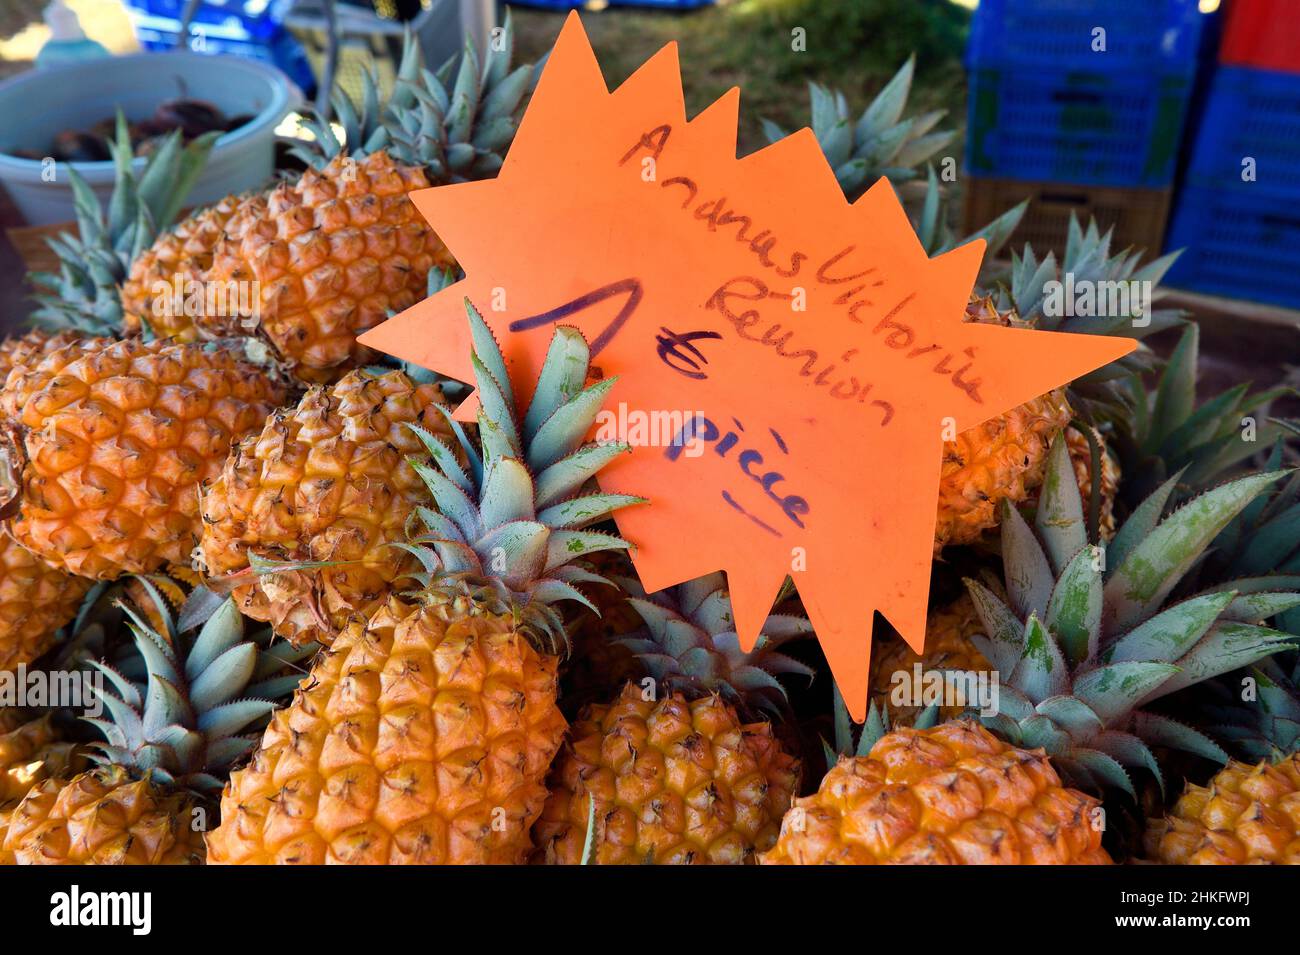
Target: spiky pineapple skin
30,750
1002,459
185,252
422,737
673,782
36,599
333,255
118,436
326,481
104,817
1246,815
948,645
950,795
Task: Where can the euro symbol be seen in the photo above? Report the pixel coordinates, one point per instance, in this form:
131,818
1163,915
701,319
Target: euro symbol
676,351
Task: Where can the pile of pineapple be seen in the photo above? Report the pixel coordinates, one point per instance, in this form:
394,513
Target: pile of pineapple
331,624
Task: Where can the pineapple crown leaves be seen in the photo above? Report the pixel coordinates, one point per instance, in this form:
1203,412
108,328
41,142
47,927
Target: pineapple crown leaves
1081,649
1264,539
1087,258
878,143
1171,432
1261,726
937,236
455,122
515,512
180,725
690,645
84,295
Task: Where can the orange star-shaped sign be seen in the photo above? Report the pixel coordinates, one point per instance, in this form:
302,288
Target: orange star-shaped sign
788,363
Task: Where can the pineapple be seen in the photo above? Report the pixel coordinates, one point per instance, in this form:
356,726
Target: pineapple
340,249
145,801
425,732
335,254
107,440
952,794
1247,813
1004,458
30,752
115,438
690,776
184,251
325,483
1083,651
1081,654
35,598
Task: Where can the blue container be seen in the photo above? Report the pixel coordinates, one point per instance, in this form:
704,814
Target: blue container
1250,114
1141,35
1089,128
226,19
226,27
1238,243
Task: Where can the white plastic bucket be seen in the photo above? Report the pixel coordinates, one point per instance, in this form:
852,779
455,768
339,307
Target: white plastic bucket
39,104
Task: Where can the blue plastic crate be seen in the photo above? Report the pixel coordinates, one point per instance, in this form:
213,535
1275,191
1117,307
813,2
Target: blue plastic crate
228,19
1108,129
1250,113
1238,244
282,51
1058,34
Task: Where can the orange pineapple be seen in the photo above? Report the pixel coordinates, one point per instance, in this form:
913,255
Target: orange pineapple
424,734
36,599
337,251
682,766
1247,814
184,252
115,438
950,795
147,799
327,481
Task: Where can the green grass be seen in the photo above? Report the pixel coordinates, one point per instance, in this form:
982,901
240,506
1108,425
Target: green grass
853,45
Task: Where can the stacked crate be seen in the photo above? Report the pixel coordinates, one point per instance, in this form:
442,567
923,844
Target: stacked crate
1237,218
1079,106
